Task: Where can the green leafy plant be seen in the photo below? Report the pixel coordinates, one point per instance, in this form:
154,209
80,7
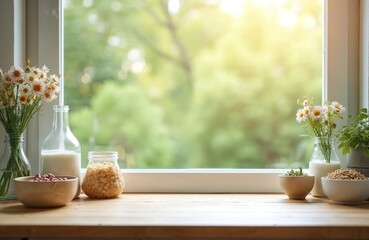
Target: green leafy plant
296,173
355,135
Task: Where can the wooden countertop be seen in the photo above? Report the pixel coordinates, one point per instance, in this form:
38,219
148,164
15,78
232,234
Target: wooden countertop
249,216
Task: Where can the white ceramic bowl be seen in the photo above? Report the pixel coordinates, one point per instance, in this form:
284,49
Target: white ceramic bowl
296,187
45,194
346,191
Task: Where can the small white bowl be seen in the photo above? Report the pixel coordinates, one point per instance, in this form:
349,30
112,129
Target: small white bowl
346,191
45,194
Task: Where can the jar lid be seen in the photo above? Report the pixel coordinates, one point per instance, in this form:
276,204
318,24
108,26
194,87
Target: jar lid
102,155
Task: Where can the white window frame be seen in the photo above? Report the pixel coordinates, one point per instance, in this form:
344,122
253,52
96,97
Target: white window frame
345,80
364,53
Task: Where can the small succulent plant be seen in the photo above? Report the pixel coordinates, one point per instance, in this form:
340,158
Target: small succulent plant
296,173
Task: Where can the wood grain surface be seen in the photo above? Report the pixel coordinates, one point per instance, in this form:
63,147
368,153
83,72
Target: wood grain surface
248,216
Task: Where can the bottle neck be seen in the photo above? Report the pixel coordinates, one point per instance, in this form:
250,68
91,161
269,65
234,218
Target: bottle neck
61,118
321,140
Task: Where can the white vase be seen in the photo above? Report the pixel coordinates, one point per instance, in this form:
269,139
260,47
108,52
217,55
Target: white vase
358,161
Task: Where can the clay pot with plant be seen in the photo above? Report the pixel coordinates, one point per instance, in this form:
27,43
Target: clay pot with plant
354,141
296,184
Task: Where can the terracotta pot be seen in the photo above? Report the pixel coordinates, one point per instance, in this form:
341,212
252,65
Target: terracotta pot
357,161
296,188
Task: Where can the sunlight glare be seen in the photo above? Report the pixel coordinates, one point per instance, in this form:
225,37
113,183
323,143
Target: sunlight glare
137,60
88,3
287,19
116,6
232,7
174,6
114,41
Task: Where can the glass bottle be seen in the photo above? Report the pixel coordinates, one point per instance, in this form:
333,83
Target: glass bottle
61,151
13,163
324,160
103,177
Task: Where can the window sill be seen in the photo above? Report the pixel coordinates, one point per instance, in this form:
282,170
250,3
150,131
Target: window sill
203,180
248,216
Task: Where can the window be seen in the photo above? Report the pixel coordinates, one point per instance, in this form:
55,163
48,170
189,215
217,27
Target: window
193,84
341,74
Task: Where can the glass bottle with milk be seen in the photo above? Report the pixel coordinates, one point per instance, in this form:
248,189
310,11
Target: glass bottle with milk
321,164
61,151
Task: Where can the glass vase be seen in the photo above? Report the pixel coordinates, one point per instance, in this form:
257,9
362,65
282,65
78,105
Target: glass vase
324,160
13,164
61,151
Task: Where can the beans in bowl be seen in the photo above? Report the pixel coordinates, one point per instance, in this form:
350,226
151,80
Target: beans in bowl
48,177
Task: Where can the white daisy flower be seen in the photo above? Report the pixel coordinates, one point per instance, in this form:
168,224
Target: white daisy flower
31,77
35,70
25,89
307,111
7,78
23,99
54,87
55,78
49,96
337,107
38,87
42,75
300,116
22,80
318,112
16,73
45,69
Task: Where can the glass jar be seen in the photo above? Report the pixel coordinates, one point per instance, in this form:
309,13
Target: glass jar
324,160
61,151
13,163
103,177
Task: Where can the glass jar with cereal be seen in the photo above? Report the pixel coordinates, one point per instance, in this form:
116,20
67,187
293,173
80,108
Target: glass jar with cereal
103,177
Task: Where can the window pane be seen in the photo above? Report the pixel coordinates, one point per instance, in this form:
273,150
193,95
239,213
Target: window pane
192,83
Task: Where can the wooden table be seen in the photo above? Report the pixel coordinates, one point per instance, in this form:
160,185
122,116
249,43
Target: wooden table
249,216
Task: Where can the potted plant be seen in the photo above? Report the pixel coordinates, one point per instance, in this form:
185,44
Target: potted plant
22,92
354,141
321,123
296,184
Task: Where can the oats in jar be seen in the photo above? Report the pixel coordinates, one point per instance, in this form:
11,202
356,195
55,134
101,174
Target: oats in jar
103,180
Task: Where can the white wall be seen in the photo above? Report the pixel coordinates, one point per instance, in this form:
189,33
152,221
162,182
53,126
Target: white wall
6,44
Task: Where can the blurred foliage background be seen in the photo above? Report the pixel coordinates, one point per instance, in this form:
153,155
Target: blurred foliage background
193,83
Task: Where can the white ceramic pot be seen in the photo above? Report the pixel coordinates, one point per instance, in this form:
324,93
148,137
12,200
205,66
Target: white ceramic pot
357,161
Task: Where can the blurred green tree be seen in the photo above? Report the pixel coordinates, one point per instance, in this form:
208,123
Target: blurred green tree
191,84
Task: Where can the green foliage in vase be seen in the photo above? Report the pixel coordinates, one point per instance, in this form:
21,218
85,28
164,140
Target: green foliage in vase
355,135
320,121
22,92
